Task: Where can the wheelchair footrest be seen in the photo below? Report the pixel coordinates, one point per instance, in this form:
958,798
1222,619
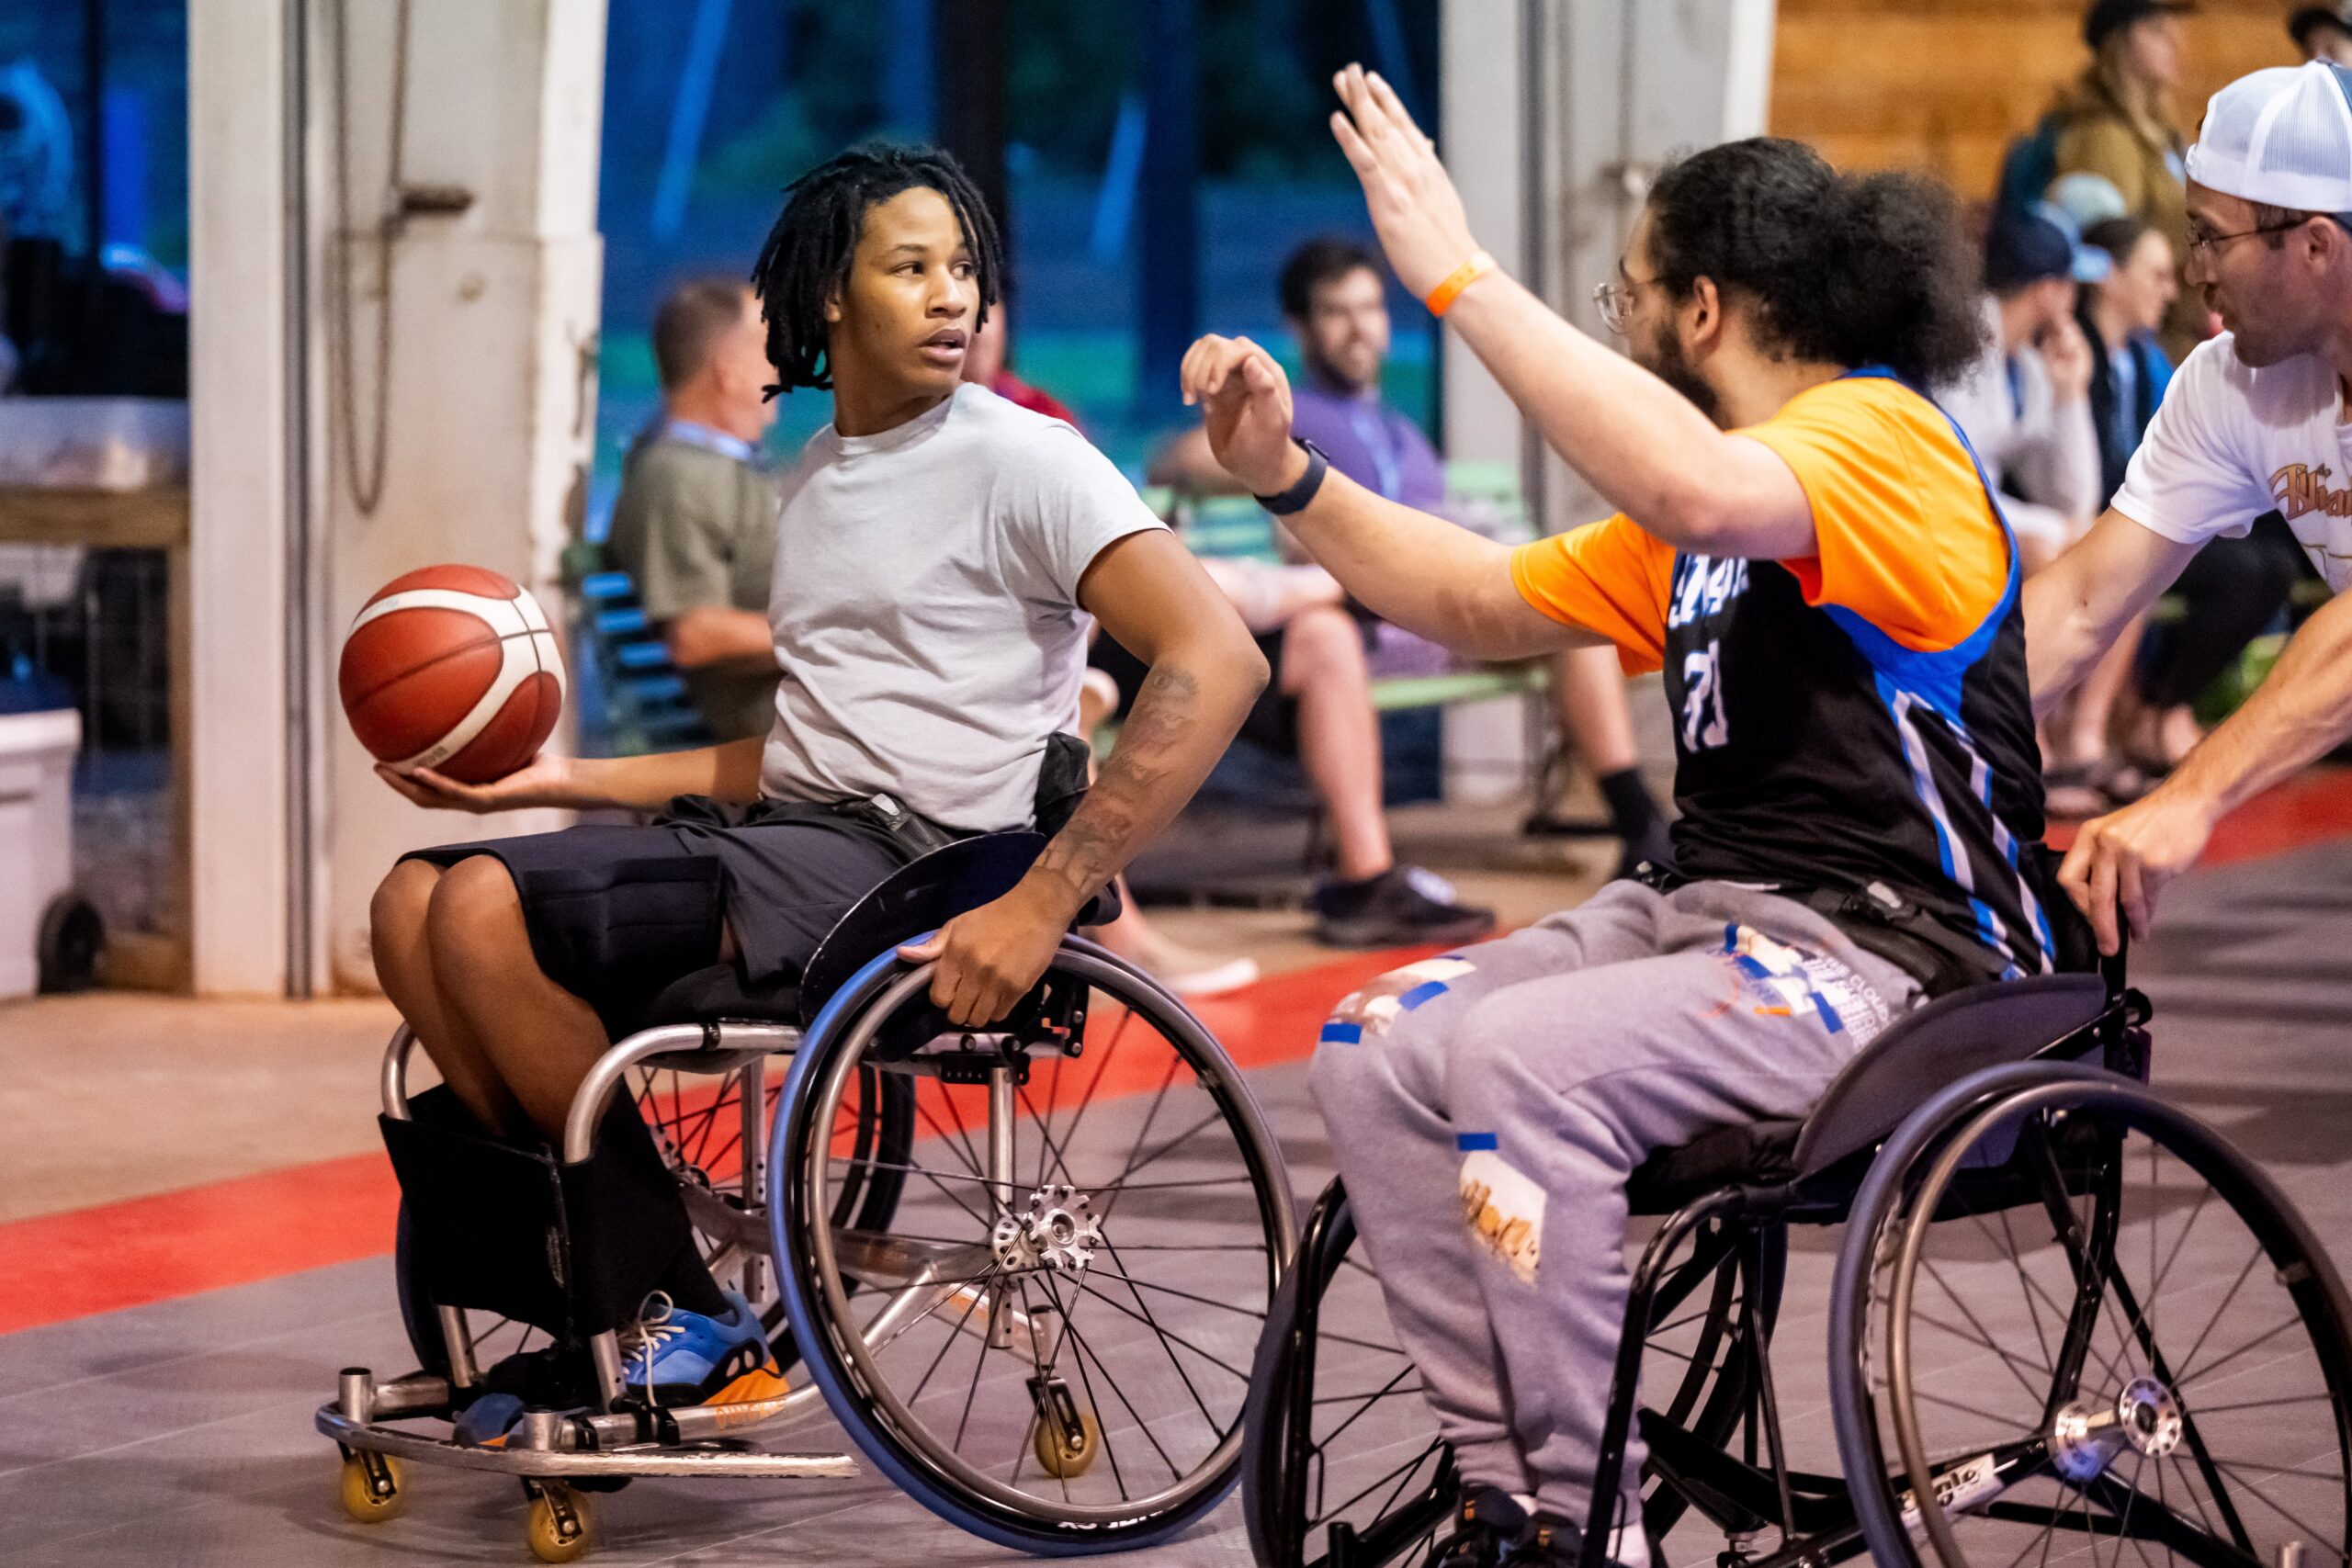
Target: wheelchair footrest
520,1459
571,1249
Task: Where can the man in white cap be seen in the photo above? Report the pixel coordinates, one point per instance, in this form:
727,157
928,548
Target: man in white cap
2255,422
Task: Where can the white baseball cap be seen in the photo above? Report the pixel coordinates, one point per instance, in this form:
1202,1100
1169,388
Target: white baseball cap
2282,137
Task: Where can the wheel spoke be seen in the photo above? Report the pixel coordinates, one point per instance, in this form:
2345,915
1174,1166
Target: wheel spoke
962,1324
1086,1352
2183,1381
1101,1065
1172,1290
1115,1305
2210,1324
1152,1319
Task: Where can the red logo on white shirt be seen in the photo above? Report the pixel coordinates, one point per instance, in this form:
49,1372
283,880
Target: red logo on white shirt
2299,489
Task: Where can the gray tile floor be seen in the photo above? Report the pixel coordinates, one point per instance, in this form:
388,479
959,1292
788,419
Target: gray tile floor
179,1433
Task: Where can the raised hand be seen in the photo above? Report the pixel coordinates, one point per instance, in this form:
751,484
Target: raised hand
1415,208
1245,407
2066,355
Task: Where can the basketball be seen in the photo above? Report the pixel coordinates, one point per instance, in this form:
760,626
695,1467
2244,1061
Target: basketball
452,668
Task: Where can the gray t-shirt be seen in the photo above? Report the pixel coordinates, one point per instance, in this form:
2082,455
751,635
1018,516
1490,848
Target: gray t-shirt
925,608
693,526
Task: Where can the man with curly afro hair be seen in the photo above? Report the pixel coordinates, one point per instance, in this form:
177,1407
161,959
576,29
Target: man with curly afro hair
1806,547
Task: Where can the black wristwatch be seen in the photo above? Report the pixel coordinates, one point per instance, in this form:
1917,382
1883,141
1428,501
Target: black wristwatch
1296,498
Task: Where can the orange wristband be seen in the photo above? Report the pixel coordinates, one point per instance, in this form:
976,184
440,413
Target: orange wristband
1443,297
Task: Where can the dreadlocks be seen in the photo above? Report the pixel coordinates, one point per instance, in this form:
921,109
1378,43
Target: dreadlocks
805,260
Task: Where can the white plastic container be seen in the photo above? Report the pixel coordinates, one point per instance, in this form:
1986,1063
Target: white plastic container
36,833
93,443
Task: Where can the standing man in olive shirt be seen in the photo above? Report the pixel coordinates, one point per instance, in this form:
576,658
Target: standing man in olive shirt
694,525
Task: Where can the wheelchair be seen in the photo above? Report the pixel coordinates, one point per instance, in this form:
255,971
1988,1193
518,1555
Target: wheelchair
2064,1316
1024,1268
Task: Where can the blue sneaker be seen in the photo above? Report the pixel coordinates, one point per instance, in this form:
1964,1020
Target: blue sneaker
674,1357
488,1422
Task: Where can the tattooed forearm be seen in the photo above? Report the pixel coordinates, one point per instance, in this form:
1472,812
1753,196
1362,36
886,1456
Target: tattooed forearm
1181,723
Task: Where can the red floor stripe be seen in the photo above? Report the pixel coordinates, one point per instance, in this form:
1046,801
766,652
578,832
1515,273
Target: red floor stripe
64,1265
71,1265
230,1233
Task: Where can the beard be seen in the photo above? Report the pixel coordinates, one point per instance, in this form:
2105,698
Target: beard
1662,356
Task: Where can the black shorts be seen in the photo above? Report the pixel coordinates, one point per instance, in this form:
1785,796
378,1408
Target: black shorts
616,913
1272,721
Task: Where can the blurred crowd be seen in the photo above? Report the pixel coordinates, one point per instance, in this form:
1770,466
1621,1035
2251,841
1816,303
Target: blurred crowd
2086,312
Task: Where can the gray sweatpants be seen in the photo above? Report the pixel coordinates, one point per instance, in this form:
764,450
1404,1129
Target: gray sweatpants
1487,1107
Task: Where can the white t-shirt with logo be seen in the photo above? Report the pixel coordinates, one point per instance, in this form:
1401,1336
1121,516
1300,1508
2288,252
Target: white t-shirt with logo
925,608
2229,443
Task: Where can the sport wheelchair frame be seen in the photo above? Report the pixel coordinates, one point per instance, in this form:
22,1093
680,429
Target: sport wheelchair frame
833,1198
2015,1110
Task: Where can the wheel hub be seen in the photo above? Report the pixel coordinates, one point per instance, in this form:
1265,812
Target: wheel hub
2085,1438
1056,1229
2151,1417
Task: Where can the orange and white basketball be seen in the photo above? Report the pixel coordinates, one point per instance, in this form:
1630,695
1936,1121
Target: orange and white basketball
454,669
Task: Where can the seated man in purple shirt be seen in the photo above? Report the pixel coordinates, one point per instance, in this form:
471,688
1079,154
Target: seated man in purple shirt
1335,302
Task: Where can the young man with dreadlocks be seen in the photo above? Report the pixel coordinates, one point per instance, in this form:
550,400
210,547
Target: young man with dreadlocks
937,552
1808,550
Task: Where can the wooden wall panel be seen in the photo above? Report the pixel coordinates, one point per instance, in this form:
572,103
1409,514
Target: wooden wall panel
1945,84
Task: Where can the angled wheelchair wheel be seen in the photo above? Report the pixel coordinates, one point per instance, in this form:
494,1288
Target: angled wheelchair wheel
1048,1341
2070,1317
714,1132
1341,1459
1342,1463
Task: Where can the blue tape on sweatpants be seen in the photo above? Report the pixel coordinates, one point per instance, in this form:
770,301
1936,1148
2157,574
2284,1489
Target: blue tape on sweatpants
1421,993
1470,1143
1338,1033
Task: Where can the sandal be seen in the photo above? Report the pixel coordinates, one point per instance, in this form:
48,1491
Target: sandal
2075,792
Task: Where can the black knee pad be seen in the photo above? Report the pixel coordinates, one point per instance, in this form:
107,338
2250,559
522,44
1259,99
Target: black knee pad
506,1227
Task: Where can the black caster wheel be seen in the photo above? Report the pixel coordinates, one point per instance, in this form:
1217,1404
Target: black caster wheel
72,937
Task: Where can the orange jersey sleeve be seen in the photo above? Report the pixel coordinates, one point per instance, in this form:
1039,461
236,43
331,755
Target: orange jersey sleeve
1905,534
1610,578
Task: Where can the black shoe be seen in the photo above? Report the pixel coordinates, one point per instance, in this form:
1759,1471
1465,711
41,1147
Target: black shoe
1489,1528
556,1377
1550,1541
1403,907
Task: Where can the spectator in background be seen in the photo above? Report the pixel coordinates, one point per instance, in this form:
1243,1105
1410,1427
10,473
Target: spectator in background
2117,122
2025,404
988,363
1318,709
2322,32
695,523
2025,407
2118,315
1334,300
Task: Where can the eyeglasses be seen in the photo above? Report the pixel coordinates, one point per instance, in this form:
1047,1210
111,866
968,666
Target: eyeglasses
1616,301
2206,244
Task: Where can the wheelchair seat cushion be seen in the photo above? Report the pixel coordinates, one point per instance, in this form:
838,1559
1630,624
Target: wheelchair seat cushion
720,993
1933,1046
1741,1154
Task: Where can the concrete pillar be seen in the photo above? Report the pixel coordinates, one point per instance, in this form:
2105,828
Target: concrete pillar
242,253
486,404
489,396
1554,118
